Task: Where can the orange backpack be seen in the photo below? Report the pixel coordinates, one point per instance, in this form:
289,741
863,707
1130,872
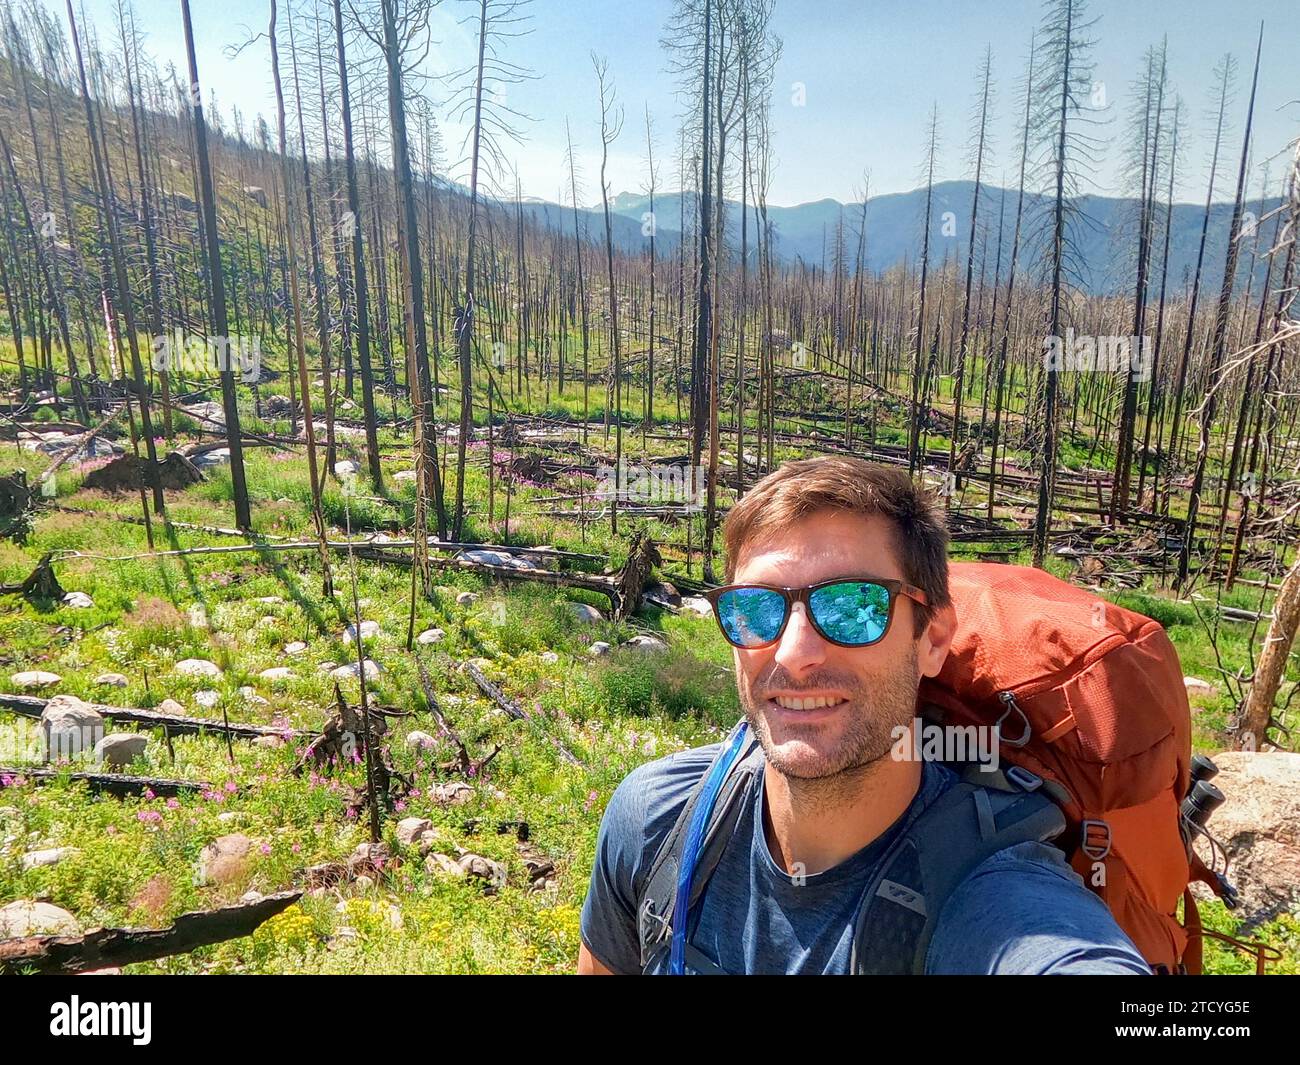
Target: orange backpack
1090,697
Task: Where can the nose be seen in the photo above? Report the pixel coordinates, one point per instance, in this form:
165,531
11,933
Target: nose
801,647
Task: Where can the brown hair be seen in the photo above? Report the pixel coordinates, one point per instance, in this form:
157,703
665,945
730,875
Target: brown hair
841,482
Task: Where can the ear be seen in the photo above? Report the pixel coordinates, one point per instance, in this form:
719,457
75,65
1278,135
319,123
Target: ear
934,643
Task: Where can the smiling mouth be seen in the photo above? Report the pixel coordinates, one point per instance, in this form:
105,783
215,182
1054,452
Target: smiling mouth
813,703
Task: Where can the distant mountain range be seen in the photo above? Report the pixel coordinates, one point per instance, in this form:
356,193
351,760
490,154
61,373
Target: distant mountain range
1104,231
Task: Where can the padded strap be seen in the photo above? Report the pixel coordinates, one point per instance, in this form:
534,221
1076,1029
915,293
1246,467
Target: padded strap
931,856
658,896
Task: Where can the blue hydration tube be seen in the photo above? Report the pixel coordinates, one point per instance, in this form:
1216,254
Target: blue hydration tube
691,849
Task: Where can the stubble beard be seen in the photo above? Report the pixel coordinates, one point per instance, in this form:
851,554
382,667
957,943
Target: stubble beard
825,758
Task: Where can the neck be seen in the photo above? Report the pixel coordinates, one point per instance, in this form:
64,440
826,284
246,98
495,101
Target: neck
813,825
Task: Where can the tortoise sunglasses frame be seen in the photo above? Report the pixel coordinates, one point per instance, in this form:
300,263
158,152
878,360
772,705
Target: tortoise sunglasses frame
803,594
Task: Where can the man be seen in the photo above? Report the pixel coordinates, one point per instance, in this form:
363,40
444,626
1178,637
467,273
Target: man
828,678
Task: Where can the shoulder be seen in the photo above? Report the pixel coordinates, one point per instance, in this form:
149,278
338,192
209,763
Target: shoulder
1025,911
640,814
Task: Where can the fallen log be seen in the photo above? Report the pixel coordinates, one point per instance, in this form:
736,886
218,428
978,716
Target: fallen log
113,783
79,443
622,589
512,708
103,948
176,725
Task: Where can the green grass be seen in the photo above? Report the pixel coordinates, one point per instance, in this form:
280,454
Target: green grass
134,859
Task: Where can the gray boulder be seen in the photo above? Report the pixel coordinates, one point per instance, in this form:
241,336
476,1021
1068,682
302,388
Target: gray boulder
118,750
69,727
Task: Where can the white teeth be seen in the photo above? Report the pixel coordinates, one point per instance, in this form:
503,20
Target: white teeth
805,704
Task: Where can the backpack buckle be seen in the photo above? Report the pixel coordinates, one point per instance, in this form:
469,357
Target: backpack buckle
1096,839
1023,778
649,921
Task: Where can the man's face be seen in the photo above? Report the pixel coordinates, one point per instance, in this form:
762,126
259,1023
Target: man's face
817,708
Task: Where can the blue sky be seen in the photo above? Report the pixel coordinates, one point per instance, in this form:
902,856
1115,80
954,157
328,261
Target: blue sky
869,72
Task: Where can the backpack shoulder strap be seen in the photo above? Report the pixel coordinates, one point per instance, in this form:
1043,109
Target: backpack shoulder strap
658,893
978,816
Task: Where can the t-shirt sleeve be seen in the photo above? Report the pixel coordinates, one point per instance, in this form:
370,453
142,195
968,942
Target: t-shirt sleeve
640,814
1024,911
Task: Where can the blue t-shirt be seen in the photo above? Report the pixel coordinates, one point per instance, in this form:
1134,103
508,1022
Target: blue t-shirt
1022,911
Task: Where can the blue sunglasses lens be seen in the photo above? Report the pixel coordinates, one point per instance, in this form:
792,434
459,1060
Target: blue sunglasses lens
751,617
851,612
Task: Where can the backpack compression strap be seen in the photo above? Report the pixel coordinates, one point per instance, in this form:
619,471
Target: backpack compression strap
657,901
978,816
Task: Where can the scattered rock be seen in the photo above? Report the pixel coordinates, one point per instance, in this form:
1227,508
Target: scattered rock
112,680
206,460
69,727
352,670
550,657
31,679
443,864
317,878
172,707
586,613
492,873
270,600
295,648
599,649
327,667
538,866
346,468
26,917
409,829
646,643
370,859
118,750
207,698
697,604
402,476
430,636
369,629
276,673
49,856
1259,827
455,793
224,859
1196,686
268,741
251,697
663,594
78,600
198,667
417,740
256,194
467,599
